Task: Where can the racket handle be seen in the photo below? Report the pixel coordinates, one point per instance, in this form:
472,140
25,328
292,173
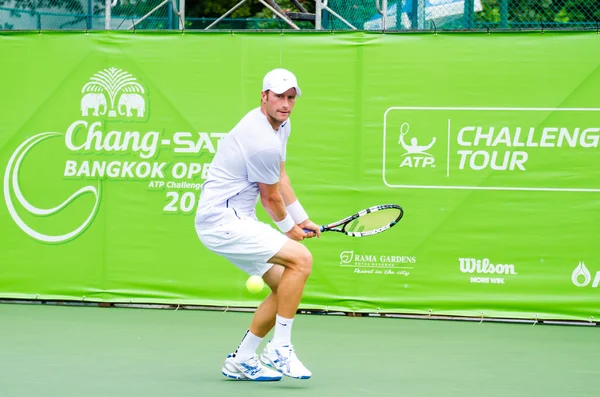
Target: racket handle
312,231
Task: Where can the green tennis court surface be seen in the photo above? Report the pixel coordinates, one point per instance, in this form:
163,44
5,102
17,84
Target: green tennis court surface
52,351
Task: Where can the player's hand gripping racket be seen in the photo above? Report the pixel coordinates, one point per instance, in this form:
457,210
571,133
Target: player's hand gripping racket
366,222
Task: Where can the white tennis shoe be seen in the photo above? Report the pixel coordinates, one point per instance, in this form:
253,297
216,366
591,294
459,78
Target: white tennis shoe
284,360
250,369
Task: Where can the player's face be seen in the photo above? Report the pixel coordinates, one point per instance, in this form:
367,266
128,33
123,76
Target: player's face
279,106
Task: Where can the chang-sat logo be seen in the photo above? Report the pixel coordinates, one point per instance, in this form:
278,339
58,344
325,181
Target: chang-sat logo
377,263
112,92
581,276
485,271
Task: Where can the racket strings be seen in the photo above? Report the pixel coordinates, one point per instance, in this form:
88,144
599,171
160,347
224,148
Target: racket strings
373,220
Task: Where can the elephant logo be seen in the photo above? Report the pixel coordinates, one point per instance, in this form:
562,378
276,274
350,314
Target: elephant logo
93,101
108,84
132,101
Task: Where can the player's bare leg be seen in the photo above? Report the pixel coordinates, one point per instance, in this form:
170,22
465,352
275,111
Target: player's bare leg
297,260
264,317
243,364
279,352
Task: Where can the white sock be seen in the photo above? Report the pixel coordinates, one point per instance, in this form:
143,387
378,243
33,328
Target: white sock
247,347
283,331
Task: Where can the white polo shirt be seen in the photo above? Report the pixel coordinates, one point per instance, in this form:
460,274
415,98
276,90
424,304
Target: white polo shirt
250,153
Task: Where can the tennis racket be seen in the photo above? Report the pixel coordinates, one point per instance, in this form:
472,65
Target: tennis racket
366,222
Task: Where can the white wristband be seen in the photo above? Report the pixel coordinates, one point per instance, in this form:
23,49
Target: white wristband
297,212
286,224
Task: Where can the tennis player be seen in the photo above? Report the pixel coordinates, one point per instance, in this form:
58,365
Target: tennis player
250,161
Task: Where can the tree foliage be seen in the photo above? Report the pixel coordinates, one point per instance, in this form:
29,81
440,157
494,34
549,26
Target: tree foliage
251,8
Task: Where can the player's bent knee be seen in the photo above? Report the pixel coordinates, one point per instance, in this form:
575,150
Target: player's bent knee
304,262
294,256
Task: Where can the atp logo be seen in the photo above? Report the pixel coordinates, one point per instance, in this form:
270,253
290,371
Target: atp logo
416,155
100,97
581,271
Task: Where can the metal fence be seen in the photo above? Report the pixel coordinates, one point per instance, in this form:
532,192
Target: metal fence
89,14
323,14
461,14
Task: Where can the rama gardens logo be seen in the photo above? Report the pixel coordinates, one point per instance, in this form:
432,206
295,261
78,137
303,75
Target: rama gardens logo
100,96
377,263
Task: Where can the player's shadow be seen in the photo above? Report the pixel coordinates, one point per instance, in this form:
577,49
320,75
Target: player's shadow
285,384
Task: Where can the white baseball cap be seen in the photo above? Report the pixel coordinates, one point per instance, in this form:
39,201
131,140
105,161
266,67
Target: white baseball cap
279,81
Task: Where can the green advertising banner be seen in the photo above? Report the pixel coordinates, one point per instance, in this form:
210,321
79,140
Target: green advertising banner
488,142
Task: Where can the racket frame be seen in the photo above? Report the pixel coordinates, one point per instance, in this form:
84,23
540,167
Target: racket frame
333,227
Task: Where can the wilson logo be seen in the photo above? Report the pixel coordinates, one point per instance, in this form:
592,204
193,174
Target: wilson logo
484,266
487,268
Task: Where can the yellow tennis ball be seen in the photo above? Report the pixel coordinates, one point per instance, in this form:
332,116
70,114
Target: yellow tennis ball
255,284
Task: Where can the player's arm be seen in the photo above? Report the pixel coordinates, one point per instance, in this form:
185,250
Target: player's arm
264,168
293,205
273,202
285,186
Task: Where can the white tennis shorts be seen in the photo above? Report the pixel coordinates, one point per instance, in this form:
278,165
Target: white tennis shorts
247,243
